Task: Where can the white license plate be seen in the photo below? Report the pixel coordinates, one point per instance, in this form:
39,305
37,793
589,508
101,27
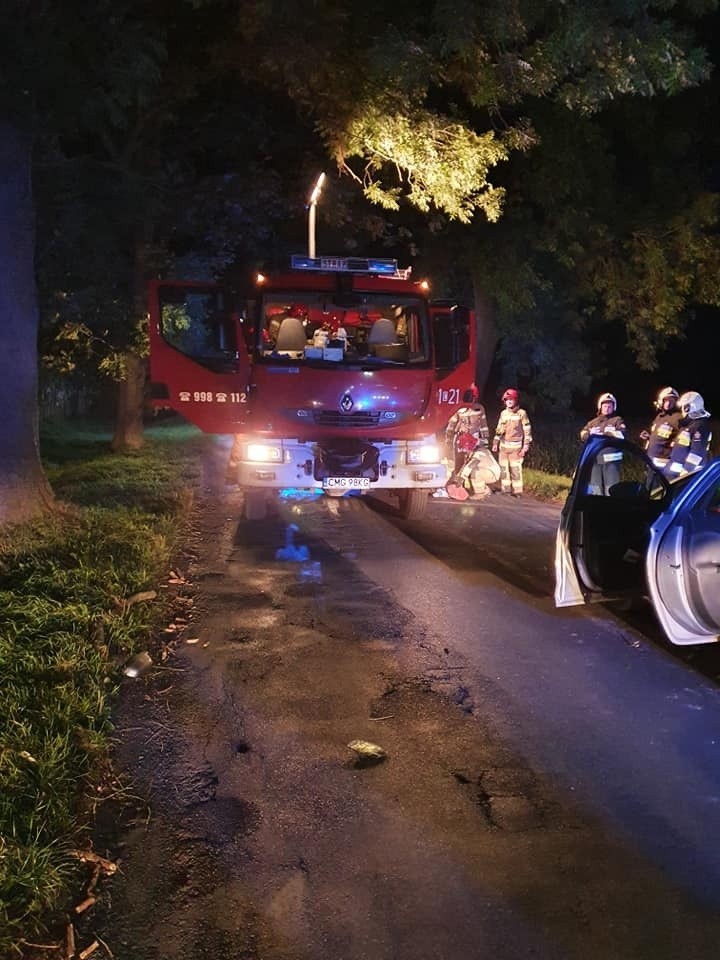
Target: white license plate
346,483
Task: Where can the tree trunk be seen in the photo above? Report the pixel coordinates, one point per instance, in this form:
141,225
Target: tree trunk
24,490
130,404
486,335
131,390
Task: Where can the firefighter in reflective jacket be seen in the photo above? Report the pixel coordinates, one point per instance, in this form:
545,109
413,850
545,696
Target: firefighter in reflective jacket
664,428
466,438
691,448
513,436
608,423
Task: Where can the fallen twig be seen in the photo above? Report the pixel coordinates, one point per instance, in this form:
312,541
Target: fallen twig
69,942
89,856
94,879
140,598
106,948
87,902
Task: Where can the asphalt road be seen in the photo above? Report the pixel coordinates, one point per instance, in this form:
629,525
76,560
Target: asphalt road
550,786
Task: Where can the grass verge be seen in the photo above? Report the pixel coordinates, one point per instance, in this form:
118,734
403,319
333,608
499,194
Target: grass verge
553,487
64,634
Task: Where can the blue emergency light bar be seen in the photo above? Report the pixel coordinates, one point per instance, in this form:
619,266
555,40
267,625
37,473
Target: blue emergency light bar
384,266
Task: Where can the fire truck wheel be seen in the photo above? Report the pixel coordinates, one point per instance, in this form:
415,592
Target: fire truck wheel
255,504
413,504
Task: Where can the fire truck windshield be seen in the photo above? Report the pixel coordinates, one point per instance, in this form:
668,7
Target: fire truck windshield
377,329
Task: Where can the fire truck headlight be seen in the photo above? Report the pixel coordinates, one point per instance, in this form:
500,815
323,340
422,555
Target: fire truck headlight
264,453
427,453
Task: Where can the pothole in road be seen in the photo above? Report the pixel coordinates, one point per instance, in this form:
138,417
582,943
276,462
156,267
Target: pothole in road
507,798
197,786
224,820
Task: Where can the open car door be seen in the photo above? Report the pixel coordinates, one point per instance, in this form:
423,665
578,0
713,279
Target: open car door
683,561
643,536
602,538
199,359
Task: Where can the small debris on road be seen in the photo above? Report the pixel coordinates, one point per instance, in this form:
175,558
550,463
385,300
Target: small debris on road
139,664
89,856
86,904
140,598
365,749
69,942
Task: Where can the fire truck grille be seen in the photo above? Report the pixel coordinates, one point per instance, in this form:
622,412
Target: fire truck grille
333,418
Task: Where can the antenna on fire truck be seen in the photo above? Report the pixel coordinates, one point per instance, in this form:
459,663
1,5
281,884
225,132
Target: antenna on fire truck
314,197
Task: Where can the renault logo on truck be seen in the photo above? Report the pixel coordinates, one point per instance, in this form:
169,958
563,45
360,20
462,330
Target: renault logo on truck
346,403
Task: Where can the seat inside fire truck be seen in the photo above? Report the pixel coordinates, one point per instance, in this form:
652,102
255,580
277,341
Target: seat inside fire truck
290,336
382,332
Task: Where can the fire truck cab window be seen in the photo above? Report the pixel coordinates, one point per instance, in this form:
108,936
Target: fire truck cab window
373,328
198,324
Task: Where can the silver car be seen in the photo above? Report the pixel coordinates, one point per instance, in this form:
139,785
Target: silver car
647,537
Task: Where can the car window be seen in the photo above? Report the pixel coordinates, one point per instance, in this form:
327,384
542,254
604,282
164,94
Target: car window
714,501
621,473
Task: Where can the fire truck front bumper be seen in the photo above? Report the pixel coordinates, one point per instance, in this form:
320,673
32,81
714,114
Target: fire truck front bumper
341,465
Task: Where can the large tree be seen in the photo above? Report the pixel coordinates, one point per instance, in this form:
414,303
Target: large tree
63,70
23,487
499,118
173,183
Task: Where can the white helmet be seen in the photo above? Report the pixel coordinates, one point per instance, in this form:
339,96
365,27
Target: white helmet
606,398
664,394
693,405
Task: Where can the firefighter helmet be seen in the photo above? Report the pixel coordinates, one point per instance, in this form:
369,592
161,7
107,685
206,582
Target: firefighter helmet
511,394
606,398
664,394
692,405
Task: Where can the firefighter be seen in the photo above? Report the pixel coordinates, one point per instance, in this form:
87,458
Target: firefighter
663,430
608,423
691,448
513,436
466,440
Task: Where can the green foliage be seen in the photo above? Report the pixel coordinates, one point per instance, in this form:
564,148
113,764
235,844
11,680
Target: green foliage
453,72
664,268
63,634
441,163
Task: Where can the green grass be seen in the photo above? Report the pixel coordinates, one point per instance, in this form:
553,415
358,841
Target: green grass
63,638
546,486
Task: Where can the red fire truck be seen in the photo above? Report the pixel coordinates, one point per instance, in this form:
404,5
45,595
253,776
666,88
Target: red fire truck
337,376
